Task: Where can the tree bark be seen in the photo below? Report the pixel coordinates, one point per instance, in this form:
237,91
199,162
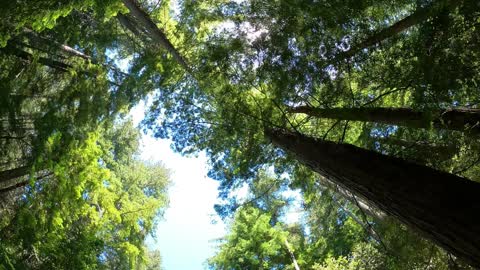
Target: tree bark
14,187
420,15
440,206
11,174
453,119
154,31
22,184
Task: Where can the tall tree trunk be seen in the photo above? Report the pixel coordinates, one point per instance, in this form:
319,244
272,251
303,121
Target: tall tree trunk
11,174
156,34
453,119
39,40
57,65
294,261
420,145
364,206
439,205
48,45
367,227
427,151
420,15
23,183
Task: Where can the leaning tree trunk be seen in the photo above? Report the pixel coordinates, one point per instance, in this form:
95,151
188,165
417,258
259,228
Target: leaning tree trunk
420,15
453,119
441,206
156,34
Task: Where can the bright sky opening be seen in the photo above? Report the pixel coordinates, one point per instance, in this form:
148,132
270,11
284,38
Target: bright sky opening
186,236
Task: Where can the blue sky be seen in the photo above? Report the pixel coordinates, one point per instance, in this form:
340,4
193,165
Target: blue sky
186,235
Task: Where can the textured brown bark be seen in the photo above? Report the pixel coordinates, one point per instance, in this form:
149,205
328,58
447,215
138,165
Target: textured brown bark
156,34
420,15
453,119
441,206
11,174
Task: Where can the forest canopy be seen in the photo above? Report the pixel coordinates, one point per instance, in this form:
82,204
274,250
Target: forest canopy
369,110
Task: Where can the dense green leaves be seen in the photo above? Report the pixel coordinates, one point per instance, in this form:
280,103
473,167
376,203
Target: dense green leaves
93,210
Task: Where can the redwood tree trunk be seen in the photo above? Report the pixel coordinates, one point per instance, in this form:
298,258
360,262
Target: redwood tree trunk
441,206
453,119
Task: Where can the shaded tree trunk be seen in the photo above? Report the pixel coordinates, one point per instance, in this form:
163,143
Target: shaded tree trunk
420,15
453,119
23,183
440,206
364,206
57,65
156,34
367,227
11,174
419,145
426,151
14,187
48,45
39,40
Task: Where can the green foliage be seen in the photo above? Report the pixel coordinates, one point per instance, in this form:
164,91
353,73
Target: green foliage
94,210
253,243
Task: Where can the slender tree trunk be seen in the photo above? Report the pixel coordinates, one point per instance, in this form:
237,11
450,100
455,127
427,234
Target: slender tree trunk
57,65
420,145
23,183
453,119
35,38
420,15
294,260
47,45
364,206
365,225
11,174
156,34
439,205
426,150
